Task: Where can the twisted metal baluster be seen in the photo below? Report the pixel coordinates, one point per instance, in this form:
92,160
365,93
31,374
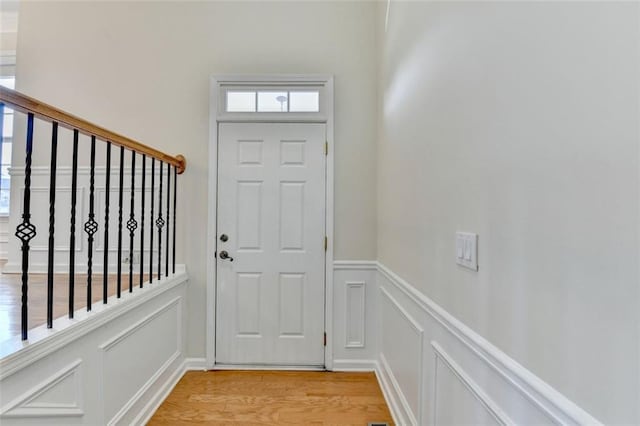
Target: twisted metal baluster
26,231
166,257
132,225
153,189
144,176
160,224
91,226
52,222
119,265
105,265
72,233
175,200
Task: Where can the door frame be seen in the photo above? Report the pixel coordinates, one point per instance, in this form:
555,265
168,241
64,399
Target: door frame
217,116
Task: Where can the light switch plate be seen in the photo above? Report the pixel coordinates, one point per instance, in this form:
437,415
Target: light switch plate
467,250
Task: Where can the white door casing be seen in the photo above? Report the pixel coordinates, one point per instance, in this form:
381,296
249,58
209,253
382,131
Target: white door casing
271,205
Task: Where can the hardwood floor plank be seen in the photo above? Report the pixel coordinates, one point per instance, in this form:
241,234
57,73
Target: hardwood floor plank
11,298
274,397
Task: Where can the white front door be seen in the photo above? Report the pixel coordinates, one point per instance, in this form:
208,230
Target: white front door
271,222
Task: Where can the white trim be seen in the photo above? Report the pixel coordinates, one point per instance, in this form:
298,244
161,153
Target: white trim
22,406
145,388
214,118
393,394
158,398
492,408
195,364
268,367
548,400
420,335
355,365
348,285
471,357
355,265
108,345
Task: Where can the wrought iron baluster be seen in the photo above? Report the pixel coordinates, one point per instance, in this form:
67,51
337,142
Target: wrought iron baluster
153,189
166,257
52,222
160,224
119,265
72,233
132,225
175,200
26,231
105,266
91,226
144,176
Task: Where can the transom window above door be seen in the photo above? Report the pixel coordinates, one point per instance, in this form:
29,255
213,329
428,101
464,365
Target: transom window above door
282,99
272,101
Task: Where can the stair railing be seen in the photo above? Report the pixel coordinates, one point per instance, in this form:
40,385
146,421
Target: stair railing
26,230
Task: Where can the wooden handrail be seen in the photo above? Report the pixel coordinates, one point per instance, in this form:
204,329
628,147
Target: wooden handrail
26,104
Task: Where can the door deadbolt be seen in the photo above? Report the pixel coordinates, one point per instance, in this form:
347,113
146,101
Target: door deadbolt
224,238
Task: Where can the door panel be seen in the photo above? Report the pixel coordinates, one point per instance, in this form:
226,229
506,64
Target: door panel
271,205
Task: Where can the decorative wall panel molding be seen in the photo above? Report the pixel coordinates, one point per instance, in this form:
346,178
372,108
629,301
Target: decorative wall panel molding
111,365
355,314
58,395
433,369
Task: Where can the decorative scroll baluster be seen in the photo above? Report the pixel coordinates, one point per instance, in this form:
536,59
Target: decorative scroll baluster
132,225
105,266
91,226
166,257
160,224
72,233
26,231
52,222
175,201
119,265
153,189
144,176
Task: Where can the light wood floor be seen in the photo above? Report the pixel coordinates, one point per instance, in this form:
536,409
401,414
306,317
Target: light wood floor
11,298
274,398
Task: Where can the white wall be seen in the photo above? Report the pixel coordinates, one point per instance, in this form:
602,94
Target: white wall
519,121
142,69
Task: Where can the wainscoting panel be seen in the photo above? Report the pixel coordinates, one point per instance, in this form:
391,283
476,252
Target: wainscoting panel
463,379
402,355
355,316
433,369
113,365
123,376
57,396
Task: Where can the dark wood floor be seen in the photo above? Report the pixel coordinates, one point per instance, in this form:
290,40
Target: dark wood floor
11,298
274,398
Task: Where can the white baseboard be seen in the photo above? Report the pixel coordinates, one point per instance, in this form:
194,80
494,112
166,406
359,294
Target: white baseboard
195,364
393,394
354,365
188,364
